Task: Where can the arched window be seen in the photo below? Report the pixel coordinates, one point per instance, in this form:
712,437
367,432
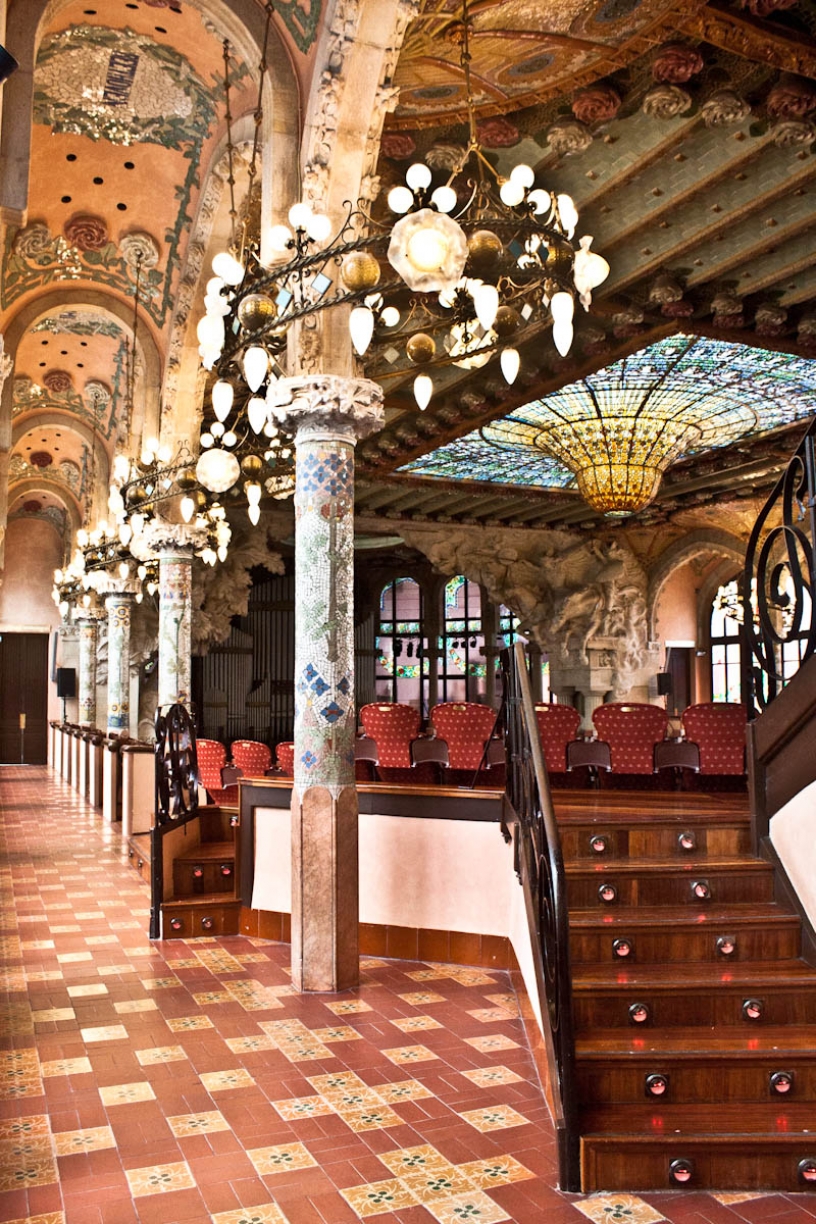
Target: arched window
462,669
402,666
508,633
726,644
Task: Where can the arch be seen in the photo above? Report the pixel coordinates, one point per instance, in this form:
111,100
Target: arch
31,485
242,22
58,299
100,457
706,540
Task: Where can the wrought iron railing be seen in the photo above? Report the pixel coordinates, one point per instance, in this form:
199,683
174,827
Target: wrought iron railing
778,581
540,867
176,794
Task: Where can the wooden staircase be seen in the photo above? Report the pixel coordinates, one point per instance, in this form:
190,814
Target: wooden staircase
694,1012
200,894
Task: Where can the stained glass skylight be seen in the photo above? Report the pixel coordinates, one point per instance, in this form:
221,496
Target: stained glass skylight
679,396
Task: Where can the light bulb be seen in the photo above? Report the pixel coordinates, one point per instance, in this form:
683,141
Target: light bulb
64,607
400,200
82,537
254,514
125,533
256,413
486,301
512,193
187,508
228,268
222,397
217,470
523,175
229,438
568,214
256,363
418,176
151,588
86,601
139,596
541,201
390,317
319,227
423,390
214,286
142,572
253,491
299,215
279,238
216,305
444,198
137,522
510,364
216,429
361,326
222,553
58,575
210,331
426,250
124,569
591,269
562,307
206,440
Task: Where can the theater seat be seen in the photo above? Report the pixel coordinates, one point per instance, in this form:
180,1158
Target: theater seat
465,727
631,728
718,730
212,759
394,726
251,757
557,726
285,758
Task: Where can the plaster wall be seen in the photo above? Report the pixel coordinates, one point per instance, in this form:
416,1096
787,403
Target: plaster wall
792,836
432,874
676,612
33,552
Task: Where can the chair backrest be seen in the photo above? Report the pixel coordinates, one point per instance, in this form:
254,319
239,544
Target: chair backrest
718,730
557,725
212,757
631,728
465,726
285,757
393,725
252,758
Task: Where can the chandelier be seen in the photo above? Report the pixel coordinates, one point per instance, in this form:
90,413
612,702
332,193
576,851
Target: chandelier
618,430
474,265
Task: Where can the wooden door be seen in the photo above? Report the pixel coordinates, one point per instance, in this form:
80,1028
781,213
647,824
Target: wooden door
23,691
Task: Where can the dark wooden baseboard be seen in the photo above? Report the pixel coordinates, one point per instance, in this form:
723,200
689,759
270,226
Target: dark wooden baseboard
786,894
398,942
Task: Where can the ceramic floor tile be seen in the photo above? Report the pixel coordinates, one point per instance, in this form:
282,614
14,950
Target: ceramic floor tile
224,1081
263,1213
283,1158
67,1143
617,1208
159,1179
376,1198
493,1117
198,1124
127,1094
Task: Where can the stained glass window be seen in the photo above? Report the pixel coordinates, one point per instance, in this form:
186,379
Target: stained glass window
462,668
726,651
401,672
744,391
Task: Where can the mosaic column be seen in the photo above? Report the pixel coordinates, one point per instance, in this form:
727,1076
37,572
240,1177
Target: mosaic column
88,621
119,603
330,414
174,544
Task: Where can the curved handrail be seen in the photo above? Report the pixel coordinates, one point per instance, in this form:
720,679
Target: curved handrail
779,569
540,867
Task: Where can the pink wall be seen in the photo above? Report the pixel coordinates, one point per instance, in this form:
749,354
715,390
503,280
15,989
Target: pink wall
33,552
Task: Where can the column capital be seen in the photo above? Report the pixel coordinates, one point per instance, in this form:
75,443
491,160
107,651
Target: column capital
88,614
120,586
163,536
330,405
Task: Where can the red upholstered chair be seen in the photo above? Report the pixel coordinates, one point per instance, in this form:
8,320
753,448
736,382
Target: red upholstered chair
718,730
557,726
251,757
465,727
393,725
212,758
631,728
285,758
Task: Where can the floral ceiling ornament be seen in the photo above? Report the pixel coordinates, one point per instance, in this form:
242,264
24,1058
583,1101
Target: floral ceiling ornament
86,232
727,310
569,136
57,381
724,108
443,156
96,394
792,97
598,104
676,64
34,242
139,249
666,102
806,334
770,319
398,145
498,133
665,289
793,133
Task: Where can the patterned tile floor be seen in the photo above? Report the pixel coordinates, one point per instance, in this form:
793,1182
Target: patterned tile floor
186,1082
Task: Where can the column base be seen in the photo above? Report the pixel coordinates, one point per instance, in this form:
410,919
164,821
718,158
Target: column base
325,891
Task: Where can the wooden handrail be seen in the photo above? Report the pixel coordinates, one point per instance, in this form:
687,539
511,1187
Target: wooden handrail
540,868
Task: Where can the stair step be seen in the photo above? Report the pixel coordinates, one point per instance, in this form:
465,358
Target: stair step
693,1043
208,852
649,826
205,914
765,1154
693,994
660,881
761,931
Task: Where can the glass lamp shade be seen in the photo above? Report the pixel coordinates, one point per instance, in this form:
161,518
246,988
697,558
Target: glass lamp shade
217,470
428,250
228,268
590,270
618,489
187,508
445,199
361,327
510,364
423,390
222,397
256,364
257,413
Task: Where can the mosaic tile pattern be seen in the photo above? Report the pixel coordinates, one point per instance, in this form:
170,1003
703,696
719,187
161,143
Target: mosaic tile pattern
186,1083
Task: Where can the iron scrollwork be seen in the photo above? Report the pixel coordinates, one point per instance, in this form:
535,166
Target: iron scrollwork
176,765
778,580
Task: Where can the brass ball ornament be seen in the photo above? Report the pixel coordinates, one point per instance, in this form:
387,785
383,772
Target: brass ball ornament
506,322
484,248
421,348
360,270
255,311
